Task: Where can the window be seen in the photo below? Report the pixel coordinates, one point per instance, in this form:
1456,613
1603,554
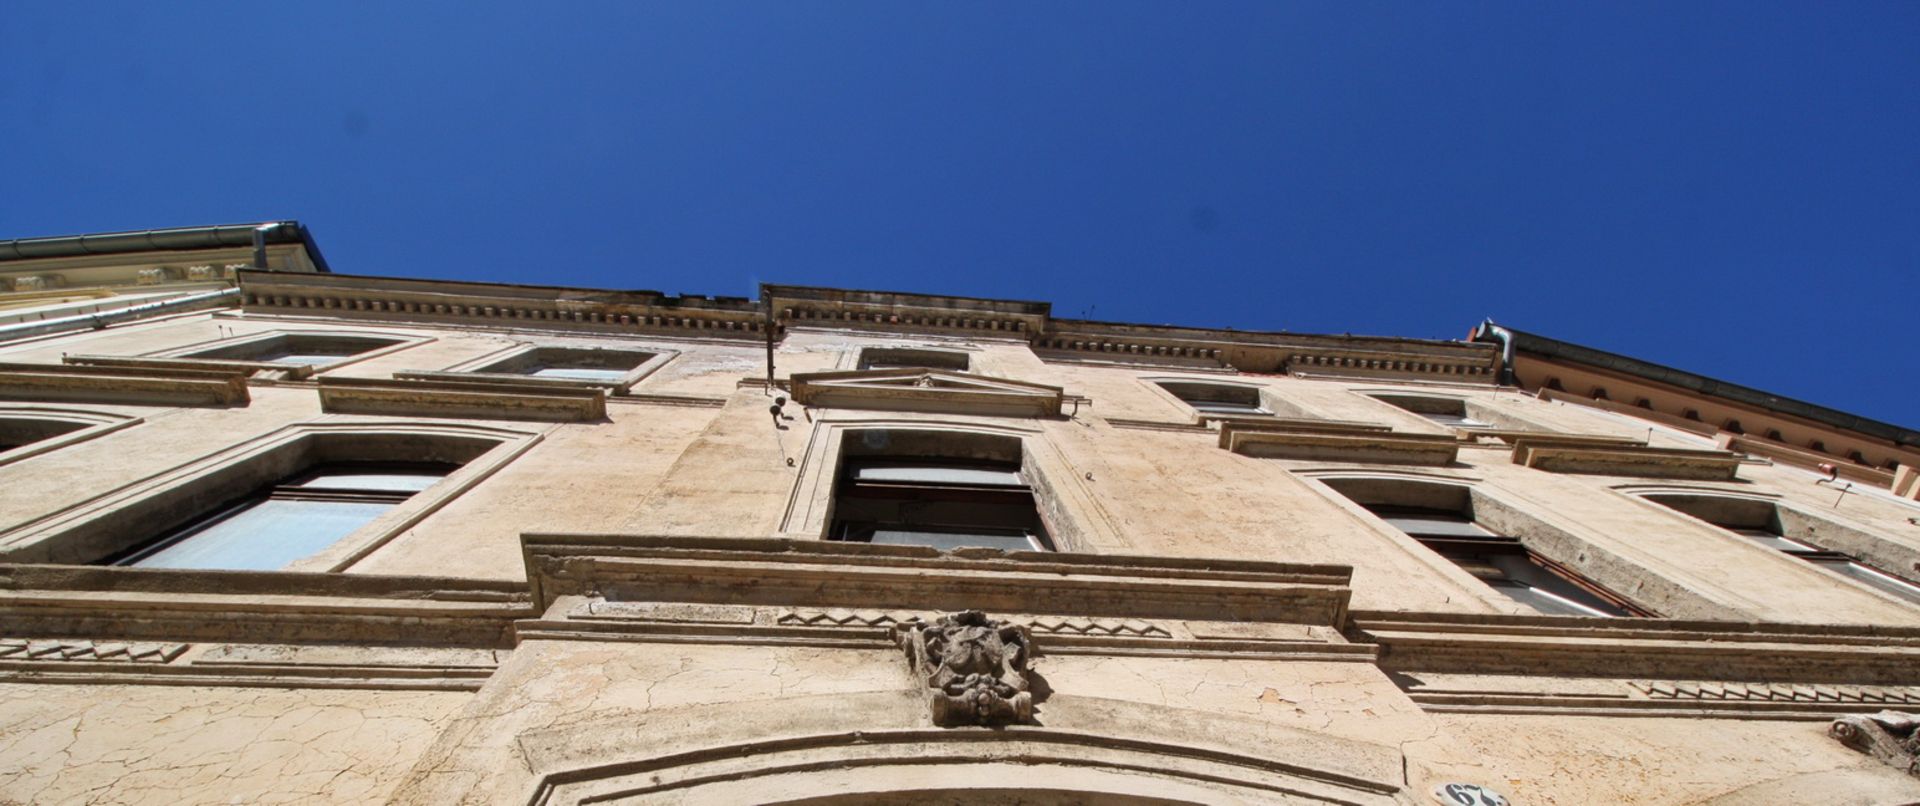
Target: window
290,520
945,504
1218,398
1446,411
572,363
1763,523
312,349
1505,565
900,358
17,432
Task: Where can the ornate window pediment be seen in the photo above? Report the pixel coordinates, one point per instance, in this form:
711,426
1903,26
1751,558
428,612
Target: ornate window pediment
927,390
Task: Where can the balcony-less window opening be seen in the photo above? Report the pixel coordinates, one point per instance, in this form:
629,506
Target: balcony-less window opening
1507,566
288,521
899,358
314,349
1834,561
585,364
945,504
1218,398
17,432
1450,412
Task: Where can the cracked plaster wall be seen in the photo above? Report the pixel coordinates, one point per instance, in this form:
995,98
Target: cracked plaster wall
179,745
1569,760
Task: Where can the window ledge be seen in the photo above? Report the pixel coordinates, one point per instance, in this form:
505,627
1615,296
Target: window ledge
1564,456
1369,446
460,400
130,385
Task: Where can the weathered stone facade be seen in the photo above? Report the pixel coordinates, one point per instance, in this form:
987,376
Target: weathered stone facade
639,586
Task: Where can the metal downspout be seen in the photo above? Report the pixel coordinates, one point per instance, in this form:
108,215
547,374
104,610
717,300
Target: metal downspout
1505,337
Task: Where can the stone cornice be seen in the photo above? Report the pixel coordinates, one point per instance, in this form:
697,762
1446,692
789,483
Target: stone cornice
414,397
1280,441
1641,648
263,369
813,573
926,390
501,305
1247,351
141,604
781,307
143,385
1581,455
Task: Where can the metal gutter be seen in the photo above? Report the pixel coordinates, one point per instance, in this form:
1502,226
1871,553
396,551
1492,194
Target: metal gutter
96,321
220,236
1522,341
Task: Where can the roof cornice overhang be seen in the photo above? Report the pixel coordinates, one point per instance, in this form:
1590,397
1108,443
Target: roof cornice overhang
1567,353
393,299
889,313
207,239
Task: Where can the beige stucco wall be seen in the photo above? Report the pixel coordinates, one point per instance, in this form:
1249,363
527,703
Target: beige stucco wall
181,744
719,466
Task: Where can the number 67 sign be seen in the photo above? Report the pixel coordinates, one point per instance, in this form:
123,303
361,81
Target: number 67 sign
1455,794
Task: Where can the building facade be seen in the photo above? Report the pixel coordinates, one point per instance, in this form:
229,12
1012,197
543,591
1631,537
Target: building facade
277,534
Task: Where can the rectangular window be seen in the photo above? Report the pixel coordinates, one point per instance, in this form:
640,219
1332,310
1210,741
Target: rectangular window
572,363
1446,411
897,358
1837,562
314,349
943,504
1507,566
1217,398
289,521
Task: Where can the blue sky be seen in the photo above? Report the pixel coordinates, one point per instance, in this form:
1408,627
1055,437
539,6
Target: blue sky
1730,188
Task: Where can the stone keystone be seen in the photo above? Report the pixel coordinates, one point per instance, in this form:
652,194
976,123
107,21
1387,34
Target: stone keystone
975,668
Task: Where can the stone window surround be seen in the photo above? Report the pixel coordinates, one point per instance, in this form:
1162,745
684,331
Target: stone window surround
850,358
1275,404
470,369
1615,570
99,528
1863,544
1496,418
92,424
1066,509
401,342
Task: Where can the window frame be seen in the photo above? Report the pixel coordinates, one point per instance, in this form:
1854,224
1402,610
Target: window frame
1453,548
1181,390
863,359
96,530
290,488
87,425
1073,517
481,369
847,485
256,343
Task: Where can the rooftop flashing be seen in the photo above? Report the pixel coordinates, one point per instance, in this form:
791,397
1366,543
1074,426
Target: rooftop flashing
219,236
1524,342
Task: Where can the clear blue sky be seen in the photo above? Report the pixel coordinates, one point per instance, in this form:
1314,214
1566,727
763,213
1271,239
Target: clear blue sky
1730,188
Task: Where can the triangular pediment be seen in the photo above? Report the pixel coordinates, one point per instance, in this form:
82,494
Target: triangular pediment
926,390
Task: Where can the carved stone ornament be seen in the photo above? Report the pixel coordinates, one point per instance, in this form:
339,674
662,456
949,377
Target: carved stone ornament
975,668
1888,735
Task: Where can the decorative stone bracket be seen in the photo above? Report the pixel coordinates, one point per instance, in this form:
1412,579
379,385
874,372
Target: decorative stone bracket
974,666
1887,735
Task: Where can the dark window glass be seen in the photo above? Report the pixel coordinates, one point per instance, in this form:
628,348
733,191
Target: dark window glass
943,504
1506,565
1213,398
1837,562
894,358
289,521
